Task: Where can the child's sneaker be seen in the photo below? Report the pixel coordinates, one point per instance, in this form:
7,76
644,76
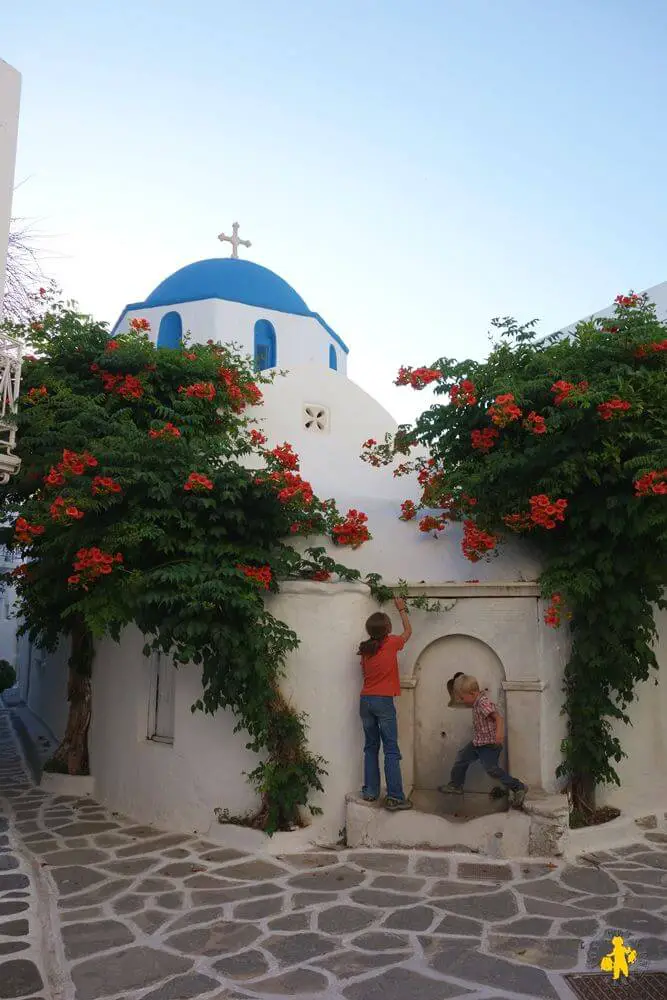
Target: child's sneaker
517,797
397,805
450,789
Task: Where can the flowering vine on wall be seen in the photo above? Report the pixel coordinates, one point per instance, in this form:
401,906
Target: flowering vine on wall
562,441
134,503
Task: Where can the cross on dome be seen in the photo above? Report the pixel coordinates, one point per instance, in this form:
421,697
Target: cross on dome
234,240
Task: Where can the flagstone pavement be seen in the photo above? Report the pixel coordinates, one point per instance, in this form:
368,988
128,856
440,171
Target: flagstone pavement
94,907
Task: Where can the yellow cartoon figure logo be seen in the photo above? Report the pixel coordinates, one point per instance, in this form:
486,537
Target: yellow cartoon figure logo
619,959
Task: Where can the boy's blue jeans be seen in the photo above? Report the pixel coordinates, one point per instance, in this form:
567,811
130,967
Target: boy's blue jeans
489,757
378,717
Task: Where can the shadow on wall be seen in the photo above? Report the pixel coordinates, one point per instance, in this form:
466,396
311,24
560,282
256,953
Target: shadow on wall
442,726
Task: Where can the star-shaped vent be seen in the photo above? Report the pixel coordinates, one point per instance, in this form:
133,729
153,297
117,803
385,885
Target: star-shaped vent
315,417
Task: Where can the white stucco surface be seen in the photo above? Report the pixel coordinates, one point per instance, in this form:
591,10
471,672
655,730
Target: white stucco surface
10,94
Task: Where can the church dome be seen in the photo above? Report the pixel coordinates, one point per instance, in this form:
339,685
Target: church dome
231,279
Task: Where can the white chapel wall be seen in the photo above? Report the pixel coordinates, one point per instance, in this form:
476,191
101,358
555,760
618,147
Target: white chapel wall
300,339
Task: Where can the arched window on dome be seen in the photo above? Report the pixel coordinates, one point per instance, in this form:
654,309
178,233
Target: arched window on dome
170,333
333,358
265,345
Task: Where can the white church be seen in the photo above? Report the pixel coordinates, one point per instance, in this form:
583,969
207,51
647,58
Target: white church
154,760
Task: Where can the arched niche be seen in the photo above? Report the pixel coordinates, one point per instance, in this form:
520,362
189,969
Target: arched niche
265,348
170,333
441,728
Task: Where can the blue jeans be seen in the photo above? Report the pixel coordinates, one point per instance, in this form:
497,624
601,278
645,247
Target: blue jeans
488,756
378,717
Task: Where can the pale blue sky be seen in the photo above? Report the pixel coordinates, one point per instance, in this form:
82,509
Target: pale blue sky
413,169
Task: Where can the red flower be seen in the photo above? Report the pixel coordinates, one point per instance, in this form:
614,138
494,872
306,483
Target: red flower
321,575
553,613
257,438
113,345
370,443
504,410
408,511
36,394
260,575
190,356
613,406
197,483
140,325
74,579
103,485
564,390
42,292
92,563
419,378
463,394
652,483
285,456
476,543
200,390
535,423
430,523
168,431
352,531
125,386
485,439
25,532
545,512
518,522
656,347
627,301
291,487
54,478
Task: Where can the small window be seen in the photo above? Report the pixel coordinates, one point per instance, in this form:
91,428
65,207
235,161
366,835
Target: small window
333,358
161,715
170,333
265,345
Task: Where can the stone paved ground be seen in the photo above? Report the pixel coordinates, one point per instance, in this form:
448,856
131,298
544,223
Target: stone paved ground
94,907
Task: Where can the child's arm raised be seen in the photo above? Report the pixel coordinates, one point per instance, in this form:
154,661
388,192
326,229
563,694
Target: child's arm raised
405,621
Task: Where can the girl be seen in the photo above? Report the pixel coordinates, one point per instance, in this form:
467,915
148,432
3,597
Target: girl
378,714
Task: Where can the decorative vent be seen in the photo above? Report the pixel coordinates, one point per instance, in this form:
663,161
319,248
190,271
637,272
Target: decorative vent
316,418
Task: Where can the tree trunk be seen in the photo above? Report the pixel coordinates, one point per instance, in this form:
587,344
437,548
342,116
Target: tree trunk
71,757
582,791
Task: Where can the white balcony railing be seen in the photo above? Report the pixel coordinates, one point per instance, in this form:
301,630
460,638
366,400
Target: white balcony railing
11,360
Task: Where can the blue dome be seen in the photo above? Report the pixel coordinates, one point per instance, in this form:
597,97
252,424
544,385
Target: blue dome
232,279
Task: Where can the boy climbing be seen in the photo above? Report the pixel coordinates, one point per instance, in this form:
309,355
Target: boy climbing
486,745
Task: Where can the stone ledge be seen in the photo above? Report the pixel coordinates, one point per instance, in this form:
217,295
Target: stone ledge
453,588
499,835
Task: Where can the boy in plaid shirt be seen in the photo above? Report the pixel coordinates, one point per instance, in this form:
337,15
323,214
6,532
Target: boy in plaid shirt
486,745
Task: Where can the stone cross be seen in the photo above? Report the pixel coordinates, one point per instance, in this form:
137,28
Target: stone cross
234,240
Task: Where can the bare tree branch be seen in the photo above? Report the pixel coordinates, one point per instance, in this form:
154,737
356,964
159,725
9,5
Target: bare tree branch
24,272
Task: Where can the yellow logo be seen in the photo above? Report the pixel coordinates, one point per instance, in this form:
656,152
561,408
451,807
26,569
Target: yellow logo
619,959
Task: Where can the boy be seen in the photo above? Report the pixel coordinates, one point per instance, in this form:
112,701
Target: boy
486,745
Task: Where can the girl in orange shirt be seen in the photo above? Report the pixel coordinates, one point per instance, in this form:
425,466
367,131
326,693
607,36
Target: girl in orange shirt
379,663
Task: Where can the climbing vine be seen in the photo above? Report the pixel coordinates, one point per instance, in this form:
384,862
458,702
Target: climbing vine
148,495
563,442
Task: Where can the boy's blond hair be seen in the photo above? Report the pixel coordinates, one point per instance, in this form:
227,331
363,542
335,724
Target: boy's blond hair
466,685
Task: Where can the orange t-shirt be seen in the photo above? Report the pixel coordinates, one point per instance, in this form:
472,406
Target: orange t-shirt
381,670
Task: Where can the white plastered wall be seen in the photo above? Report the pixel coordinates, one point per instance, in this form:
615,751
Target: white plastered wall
10,95
178,786
299,339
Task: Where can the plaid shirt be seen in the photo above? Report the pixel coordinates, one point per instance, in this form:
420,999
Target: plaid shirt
483,726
